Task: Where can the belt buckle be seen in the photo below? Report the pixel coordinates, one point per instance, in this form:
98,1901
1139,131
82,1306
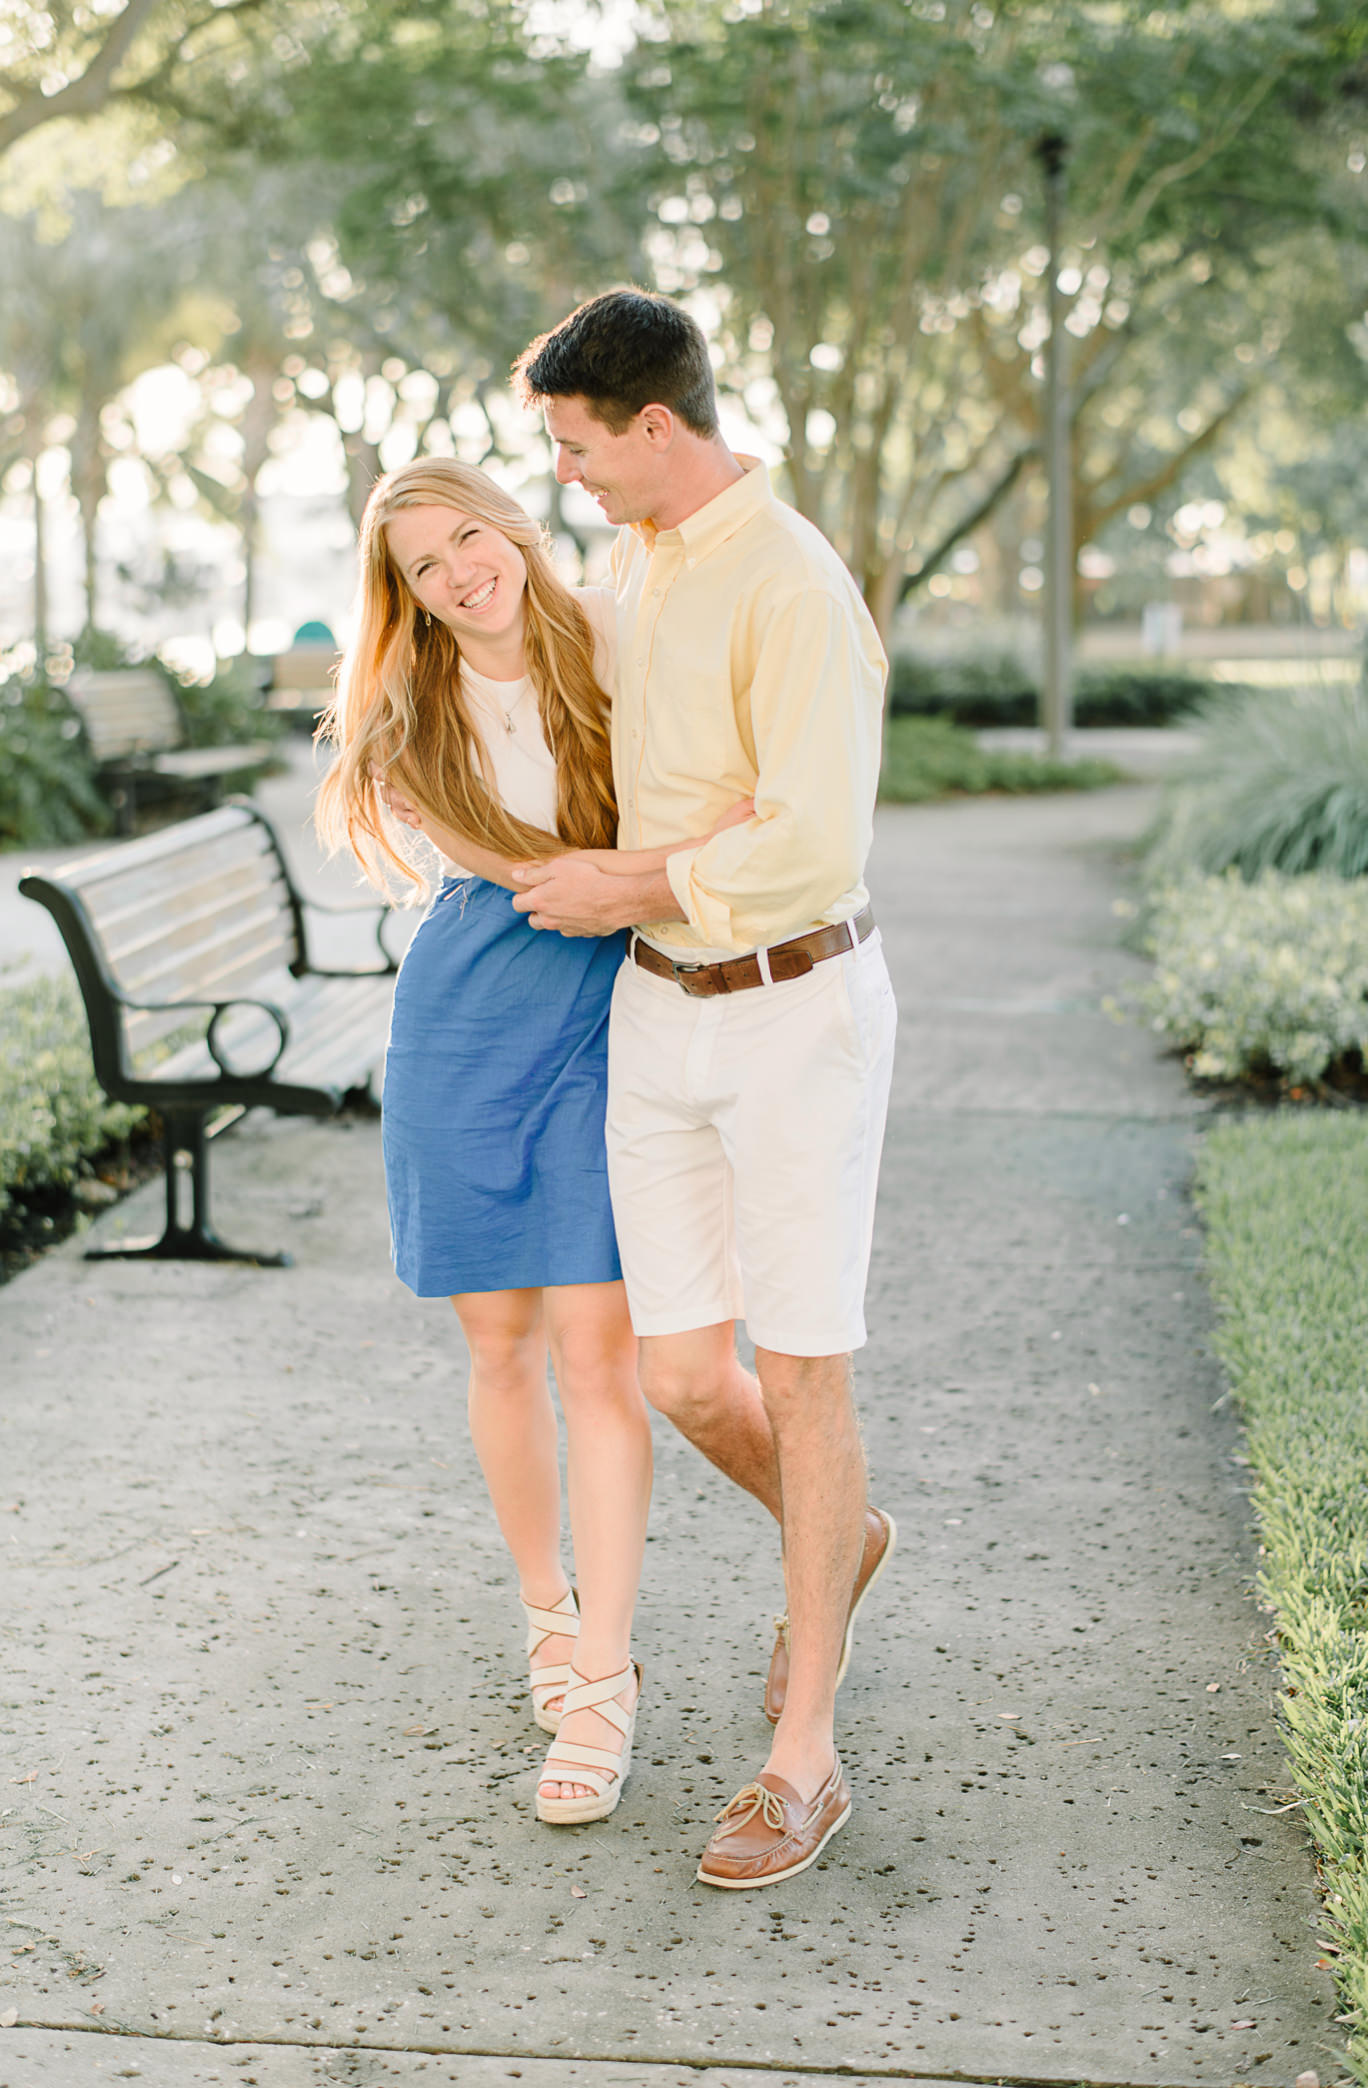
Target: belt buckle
681,974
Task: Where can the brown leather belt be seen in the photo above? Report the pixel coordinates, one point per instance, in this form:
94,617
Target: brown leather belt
788,960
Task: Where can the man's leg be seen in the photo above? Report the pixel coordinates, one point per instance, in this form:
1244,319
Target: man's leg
698,1382
811,1408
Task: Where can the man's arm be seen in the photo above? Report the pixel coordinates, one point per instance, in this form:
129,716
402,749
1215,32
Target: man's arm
815,699
595,891
591,892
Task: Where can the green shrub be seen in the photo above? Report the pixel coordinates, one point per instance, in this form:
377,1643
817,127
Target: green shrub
1281,784
48,796
228,710
994,688
1269,977
1137,695
53,1114
990,688
1285,1201
930,758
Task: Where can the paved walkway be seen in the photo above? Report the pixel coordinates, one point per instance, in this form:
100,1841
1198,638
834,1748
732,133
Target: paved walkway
268,1772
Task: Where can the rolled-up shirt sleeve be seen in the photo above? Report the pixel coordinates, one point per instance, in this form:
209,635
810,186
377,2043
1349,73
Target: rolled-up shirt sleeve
815,705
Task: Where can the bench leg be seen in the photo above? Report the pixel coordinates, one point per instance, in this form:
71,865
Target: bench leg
184,1133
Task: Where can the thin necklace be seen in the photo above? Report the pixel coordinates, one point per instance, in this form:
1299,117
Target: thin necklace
508,711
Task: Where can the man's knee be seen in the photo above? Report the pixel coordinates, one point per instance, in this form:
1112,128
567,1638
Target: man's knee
795,1384
685,1375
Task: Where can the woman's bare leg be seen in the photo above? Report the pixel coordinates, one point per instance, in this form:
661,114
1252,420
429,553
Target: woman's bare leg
513,1428
608,1434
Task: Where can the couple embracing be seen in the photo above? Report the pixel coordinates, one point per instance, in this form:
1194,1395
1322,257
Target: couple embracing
643,1037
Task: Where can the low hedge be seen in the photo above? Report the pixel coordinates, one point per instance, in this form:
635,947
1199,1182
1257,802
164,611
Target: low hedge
1285,1200
928,758
54,1117
995,689
1262,978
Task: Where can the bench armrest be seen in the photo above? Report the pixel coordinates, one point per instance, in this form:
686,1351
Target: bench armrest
222,1008
382,913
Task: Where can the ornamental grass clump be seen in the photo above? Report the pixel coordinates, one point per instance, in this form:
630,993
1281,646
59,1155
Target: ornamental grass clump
53,1114
1281,784
1262,978
1285,1200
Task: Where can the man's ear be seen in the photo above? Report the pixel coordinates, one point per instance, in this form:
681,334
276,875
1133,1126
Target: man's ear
657,424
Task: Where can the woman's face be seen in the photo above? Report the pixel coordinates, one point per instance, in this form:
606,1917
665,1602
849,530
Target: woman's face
463,571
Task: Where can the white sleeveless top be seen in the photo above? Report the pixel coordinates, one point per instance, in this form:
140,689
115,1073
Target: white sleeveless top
513,757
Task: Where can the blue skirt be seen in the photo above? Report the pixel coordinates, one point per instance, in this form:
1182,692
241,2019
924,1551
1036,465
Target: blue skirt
493,1102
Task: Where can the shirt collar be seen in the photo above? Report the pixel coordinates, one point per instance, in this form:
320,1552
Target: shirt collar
719,518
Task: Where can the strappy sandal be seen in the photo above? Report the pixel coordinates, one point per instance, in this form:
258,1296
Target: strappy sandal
569,1762
550,1679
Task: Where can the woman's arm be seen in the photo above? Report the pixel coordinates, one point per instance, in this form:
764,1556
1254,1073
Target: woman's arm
480,861
497,869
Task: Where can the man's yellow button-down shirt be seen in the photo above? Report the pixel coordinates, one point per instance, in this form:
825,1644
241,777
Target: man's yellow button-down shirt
748,666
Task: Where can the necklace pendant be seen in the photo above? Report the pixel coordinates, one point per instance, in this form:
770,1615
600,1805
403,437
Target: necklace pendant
509,726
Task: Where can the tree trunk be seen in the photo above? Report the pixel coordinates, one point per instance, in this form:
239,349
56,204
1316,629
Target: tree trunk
40,586
257,423
88,484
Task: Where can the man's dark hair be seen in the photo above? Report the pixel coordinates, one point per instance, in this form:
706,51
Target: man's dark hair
619,352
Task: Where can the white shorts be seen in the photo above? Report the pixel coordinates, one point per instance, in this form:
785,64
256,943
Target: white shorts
744,1135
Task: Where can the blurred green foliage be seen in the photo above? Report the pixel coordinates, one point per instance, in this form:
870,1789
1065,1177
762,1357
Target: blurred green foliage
53,1114
1262,978
361,210
927,758
48,795
1281,784
995,688
1285,1203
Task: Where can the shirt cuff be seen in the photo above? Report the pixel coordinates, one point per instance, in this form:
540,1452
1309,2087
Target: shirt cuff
710,916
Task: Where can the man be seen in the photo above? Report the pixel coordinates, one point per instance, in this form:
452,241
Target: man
752,1028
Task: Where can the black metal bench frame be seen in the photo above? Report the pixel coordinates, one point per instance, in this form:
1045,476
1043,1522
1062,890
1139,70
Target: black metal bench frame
186,1106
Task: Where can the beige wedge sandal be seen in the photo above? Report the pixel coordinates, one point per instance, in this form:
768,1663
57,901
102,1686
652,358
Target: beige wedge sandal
603,1770
550,1679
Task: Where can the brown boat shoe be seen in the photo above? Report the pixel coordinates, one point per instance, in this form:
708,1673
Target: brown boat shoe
871,1566
768,1833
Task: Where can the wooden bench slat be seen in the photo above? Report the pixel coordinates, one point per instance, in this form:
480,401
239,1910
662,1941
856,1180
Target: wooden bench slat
230,969
125,712
83,873
117,909
144,940
192,764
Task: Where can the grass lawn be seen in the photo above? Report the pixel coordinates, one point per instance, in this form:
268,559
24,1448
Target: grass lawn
931,758
1286,1206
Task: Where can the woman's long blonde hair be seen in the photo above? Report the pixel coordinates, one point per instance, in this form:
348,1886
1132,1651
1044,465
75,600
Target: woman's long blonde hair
401,714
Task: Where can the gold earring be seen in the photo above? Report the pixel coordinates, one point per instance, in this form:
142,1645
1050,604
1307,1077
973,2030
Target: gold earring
427,618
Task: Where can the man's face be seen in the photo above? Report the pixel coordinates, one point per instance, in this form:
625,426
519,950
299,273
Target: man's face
624,473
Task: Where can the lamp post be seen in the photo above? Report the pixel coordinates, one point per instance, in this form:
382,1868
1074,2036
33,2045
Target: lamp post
1057,694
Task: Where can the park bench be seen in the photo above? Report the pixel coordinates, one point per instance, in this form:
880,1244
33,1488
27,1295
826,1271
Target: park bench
136,736
301,679
191,952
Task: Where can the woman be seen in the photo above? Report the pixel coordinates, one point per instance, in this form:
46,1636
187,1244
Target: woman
472,704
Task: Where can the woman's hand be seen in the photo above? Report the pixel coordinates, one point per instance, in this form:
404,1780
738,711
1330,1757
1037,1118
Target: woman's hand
394,802
740,812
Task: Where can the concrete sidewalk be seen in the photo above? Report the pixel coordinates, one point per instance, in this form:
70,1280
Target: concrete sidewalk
268,1780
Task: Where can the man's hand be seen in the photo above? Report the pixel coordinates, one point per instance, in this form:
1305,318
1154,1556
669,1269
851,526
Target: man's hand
573,894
